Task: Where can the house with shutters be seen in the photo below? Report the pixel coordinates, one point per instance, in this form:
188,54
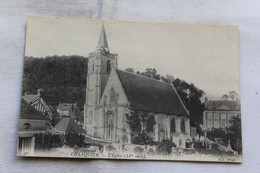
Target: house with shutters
218,113
111,93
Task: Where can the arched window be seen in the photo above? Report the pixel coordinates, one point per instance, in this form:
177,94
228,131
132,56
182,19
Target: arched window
93,66
180,143
112,97
110,126
173,126
90,116
105,100
182,125
108,66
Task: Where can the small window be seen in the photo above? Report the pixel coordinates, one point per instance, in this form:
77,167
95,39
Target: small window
223,124
209,115
173,126
90,116
209,124
105,100
183,126
223,116
216,116
180,143
93,67
108,66
216,124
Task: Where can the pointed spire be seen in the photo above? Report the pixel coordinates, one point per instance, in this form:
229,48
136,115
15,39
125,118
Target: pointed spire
102,42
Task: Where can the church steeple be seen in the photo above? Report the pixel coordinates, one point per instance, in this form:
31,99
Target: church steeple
102,42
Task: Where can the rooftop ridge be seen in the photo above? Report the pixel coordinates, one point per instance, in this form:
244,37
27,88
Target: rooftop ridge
142,76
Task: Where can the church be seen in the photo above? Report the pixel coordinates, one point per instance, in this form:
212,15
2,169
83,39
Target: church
111,93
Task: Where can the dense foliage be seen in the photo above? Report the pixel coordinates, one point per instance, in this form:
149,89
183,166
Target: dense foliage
232,133
235,134
74,140
165,147
63,78
218,133
47,141
140,124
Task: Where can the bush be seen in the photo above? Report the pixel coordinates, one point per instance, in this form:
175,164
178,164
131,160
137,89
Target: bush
188,144
198,145
142,139
74,139
165,147
151,152
138,150
110,147
47,141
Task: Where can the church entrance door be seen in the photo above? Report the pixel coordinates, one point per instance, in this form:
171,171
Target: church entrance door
109,127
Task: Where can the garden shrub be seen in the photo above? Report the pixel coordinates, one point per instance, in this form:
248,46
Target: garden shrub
74,139
110,147
165,147
151,152
198,145
138,150
47,141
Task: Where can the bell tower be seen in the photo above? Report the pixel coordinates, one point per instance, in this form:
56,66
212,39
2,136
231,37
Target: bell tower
100,64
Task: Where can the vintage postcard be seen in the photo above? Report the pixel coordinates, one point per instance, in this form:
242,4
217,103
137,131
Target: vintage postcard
130,90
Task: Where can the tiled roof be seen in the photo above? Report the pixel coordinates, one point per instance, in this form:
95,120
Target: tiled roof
67,125
28,112
30,98
151,95
224,105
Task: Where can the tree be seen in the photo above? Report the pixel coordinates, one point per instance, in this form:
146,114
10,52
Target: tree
190,96
131,70
225,97
62,77
151,73
168,78
140,124
235,135
233,95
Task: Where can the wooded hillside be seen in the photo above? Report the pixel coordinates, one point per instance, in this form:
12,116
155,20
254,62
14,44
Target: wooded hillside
62,77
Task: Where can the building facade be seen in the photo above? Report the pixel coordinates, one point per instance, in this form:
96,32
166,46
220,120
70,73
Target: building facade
39,104
112,93
31,122
218,113
67,110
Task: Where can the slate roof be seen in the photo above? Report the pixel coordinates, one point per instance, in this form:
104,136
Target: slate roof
67,125
151,95
28,112
222,105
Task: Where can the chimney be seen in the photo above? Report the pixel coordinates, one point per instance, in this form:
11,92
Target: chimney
40,91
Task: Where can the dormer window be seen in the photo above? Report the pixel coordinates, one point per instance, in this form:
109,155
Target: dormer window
108,66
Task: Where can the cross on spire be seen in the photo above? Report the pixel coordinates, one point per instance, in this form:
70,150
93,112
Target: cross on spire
102,42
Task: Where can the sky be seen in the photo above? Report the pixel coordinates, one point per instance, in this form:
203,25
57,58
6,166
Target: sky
206,55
